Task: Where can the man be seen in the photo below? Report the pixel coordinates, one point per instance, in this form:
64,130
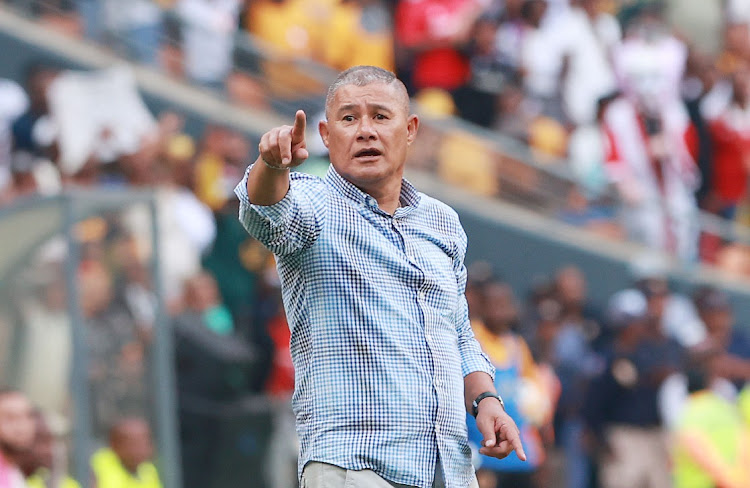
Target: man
17,430
515,370
709,444
621,406
127,462
44,464
373,282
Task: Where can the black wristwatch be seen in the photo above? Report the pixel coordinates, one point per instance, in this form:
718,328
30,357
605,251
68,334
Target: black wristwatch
486,394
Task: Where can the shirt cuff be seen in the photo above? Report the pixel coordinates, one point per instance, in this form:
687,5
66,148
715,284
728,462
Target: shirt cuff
272,213
478,363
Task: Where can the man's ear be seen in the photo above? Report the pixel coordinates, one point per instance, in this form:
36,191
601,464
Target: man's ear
323,130
412,126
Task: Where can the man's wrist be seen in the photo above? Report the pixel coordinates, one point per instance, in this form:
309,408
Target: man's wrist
275,168
483,396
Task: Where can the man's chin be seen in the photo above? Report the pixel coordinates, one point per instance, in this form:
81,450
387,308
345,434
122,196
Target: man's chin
14,450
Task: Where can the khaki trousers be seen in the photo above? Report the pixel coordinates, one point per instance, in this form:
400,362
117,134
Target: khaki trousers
640,459
321,475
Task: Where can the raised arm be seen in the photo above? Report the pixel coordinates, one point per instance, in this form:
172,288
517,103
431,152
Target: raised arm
280,149
283,211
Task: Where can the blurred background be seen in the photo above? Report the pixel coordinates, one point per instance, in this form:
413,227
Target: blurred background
597,152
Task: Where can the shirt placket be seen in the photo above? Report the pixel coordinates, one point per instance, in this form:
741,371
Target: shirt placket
435,342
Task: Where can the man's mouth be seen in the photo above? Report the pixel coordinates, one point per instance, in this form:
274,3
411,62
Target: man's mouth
369,152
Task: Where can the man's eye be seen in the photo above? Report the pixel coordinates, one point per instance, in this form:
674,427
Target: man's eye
380,117
348,118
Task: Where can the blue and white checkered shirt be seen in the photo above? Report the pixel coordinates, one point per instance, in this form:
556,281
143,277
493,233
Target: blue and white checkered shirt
381,339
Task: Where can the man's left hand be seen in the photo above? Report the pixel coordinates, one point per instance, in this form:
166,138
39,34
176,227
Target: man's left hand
501,436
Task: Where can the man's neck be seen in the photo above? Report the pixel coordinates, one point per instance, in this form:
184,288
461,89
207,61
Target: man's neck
388,197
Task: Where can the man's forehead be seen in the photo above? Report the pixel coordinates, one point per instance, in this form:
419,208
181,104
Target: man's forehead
376,93
14,401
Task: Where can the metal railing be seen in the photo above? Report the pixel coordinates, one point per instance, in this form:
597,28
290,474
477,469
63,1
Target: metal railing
42,250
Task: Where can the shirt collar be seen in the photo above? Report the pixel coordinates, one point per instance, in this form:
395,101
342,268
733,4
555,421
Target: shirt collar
409,198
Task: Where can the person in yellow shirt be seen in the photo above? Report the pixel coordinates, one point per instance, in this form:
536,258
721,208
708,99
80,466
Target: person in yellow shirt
517,377
711,445
360,33
336,33
127,462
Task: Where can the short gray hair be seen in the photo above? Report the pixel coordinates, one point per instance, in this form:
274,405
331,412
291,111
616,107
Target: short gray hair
362,76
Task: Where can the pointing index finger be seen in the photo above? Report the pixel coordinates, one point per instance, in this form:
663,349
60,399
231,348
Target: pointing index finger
298,131
518,447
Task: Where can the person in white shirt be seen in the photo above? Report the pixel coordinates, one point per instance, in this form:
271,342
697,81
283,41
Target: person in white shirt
208,30
590,76
137,28
13,103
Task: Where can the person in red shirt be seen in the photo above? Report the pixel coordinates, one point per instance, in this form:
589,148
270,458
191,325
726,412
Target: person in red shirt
433,32
730,132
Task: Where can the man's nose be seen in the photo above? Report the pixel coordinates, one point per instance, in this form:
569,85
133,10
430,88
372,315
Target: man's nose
366,130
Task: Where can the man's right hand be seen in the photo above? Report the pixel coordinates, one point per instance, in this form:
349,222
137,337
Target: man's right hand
284,147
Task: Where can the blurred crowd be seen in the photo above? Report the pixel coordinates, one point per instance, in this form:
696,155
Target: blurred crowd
647,391
644,99
638,107
220,288
33,454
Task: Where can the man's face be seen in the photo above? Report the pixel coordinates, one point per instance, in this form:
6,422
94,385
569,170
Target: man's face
17,425
367,134
718,322
500,311
134,446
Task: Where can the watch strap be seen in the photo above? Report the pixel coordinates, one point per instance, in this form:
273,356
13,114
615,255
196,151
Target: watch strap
482,396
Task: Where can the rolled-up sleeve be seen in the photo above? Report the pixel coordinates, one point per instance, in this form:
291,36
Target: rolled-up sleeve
472,357
290,225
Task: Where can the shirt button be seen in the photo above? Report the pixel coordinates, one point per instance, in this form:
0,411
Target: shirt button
439,382
421,295
428,336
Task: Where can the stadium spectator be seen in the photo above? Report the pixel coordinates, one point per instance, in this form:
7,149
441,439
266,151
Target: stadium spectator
31,128
710,438
531,404
204,303
509,35
671,312
361,33
45,464
649,162
476,101
575,364
128,460
434,33
621,405
730,340
293,31
214,367
13,103
208,31
17,431
136,27
116,353
736,46
589,75
46,356
543,59
730,134
187,227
